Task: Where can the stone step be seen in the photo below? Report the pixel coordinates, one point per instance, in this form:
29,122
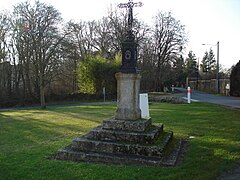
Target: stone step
139,125
84,144
69,154
148,137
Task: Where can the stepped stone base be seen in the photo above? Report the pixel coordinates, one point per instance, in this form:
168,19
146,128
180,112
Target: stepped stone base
124,142
69,154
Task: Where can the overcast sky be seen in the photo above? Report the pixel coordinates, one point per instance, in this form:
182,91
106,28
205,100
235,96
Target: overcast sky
207,21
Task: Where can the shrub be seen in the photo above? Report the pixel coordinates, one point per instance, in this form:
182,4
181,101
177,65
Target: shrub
96,72
235,80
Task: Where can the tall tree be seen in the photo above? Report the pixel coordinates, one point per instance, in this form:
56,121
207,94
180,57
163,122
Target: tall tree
110,32
178,70
5,67
74,49
212,60
208,65
205,64
40,23
4,28
169,37
191,65
208,62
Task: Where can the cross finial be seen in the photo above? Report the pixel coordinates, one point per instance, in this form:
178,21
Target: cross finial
130,6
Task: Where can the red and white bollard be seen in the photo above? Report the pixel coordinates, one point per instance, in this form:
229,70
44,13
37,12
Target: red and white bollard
189,95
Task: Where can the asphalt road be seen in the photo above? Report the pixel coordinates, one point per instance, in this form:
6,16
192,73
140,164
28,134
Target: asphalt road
200,96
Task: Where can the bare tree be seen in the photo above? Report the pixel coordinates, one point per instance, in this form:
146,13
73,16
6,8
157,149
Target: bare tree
40,23
44,56
4,28
111,31
5,67
169,37
78,43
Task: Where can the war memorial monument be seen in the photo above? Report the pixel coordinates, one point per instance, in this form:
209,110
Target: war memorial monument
126,138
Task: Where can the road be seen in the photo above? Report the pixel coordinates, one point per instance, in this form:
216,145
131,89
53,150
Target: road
233,102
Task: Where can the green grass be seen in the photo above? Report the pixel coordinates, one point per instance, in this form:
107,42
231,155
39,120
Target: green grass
29,137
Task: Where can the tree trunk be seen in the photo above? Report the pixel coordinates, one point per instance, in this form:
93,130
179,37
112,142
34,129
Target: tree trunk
42,96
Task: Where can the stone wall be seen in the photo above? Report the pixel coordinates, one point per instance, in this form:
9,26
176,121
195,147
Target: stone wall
210,85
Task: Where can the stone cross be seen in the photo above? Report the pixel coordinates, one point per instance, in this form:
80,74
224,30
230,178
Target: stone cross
130,6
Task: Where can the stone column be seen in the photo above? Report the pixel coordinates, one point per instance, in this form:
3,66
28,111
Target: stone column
128,87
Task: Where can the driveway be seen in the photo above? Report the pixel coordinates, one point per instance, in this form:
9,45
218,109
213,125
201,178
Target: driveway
200,96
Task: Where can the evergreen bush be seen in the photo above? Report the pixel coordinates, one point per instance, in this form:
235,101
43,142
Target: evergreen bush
235,80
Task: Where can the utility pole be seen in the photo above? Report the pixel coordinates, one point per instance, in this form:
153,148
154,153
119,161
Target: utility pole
217,75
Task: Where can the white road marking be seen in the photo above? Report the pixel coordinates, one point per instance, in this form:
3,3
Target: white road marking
193,100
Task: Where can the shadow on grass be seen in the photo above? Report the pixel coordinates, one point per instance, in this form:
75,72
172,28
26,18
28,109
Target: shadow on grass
34,127
28,137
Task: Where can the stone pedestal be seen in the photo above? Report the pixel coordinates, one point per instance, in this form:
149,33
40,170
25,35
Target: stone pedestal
128,86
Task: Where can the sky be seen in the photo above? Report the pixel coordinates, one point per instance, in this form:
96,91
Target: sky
206,21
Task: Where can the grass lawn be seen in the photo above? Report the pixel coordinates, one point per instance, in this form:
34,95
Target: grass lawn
28,137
